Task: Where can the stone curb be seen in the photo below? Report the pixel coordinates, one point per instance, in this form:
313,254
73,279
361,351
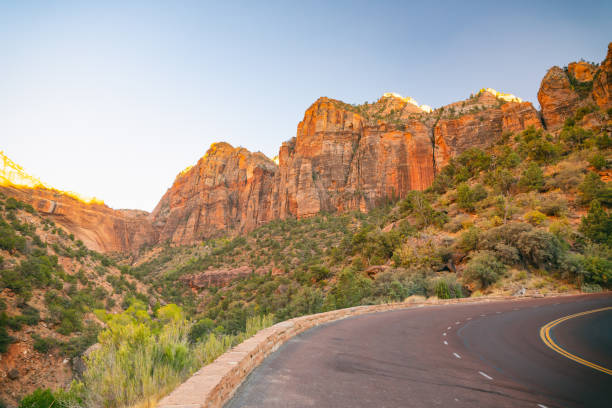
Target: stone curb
214,384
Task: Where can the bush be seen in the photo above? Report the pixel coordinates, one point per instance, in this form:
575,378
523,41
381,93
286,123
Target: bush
575,137
593,188
38,399
597,225
468,240
598,161
467,197
539,248
532,178
350,289
553,205
535,217
598,271
447,288
5,340
140,359
484,268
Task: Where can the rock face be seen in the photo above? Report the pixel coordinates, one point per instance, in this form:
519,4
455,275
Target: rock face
341,160
557,99
479,122
227,190
215,277
343,157
582,71
602,82
99,227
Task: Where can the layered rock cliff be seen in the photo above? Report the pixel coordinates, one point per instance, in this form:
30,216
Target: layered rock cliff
343,157
580,84
100,227
229,189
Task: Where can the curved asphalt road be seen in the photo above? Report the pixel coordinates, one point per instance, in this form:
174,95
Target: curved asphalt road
462,355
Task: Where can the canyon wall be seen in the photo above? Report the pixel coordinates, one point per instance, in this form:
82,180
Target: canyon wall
343,157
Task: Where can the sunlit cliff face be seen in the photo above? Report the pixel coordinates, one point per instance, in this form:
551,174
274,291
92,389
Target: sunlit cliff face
13,175
504,96
424,108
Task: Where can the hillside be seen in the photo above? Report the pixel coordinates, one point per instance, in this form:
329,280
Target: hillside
369,203
50,285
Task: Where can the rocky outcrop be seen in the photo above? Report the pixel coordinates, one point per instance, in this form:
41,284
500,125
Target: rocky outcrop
479,122
227,190
582,71
602,82
557,98
519,116
215,277
343,157
99,227
342,160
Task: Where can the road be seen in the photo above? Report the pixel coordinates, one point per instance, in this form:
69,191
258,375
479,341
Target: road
462,355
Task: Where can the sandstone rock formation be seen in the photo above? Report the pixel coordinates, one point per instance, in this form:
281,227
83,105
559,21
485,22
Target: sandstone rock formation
582,71
99,227
342,160
562,92
602,82
343,157
215,277
479,122
227,190
557,99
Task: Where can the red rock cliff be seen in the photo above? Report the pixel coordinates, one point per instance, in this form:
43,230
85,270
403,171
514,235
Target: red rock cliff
343,157
227,190
100,228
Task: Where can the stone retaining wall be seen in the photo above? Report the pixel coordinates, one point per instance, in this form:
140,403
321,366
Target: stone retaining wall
214,384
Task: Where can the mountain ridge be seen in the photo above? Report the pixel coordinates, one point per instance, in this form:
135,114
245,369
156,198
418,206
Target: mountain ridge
343,157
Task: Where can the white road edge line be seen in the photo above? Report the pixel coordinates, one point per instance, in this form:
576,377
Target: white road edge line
456,355
488,377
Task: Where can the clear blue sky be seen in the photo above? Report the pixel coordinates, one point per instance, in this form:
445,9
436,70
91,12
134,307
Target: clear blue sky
112,99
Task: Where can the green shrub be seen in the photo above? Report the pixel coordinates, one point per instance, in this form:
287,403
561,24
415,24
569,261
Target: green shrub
597,225
44,344
535,217
5,340
140,359
553,205
598,161
575,137
483,267
598,271
468,240
467,197
539,248
593,188
349,290
38,399
447,288
532,178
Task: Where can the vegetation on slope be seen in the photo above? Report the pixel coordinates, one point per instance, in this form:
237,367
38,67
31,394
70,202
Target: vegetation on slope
532,213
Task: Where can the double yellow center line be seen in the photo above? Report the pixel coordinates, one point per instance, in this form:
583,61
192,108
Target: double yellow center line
547,339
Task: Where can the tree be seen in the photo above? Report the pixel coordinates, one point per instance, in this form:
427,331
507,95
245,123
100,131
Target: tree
484,268
597,225
593,188
532,178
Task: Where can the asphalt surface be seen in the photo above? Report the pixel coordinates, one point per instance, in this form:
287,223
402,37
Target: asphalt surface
462,355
